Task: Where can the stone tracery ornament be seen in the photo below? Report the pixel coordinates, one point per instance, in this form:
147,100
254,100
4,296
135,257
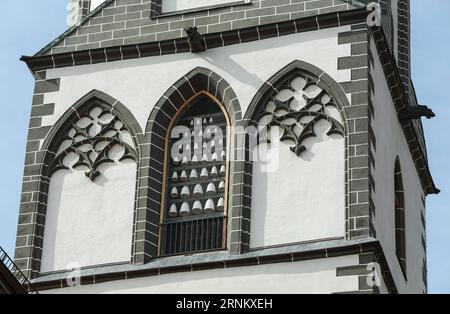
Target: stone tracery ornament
98,137
295,106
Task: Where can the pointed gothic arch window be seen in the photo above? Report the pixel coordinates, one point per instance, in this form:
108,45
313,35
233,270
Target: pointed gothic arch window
89,197
400,224
196,179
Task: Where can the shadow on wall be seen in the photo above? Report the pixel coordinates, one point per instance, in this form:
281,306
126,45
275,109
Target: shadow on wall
233,68
216,58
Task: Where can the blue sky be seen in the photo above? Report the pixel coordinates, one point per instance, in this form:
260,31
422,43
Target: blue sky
29,25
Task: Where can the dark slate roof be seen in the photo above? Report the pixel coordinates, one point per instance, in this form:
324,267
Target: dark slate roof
72,29
122,22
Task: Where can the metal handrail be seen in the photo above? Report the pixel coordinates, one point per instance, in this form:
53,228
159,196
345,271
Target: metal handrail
16,272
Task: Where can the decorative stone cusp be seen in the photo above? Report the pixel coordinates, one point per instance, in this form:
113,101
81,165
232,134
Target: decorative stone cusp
97,137
295,106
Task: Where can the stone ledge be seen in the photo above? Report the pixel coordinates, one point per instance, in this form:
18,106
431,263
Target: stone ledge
221,259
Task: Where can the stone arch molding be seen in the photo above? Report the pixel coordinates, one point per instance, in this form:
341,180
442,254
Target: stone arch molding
295,100
97,119
199,81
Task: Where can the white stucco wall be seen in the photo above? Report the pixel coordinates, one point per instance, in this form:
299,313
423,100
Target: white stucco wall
89,223
315,276
176,5
390,143
303,199
139,84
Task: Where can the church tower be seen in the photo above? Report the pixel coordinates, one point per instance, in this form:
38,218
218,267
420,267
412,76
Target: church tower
226,146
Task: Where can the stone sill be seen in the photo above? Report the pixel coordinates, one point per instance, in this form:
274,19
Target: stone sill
210,260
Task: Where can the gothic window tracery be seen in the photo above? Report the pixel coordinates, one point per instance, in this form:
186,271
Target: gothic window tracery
97,137
295,106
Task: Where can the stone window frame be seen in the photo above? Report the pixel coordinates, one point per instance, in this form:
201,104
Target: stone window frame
166,172
146,241
156,8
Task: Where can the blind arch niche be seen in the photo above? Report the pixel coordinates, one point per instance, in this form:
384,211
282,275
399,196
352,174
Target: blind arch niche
300,196
91,167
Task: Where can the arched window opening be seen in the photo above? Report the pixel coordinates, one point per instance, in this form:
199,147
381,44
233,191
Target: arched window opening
400,225
195,198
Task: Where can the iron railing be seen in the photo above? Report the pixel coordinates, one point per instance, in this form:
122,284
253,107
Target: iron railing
180,236
15,271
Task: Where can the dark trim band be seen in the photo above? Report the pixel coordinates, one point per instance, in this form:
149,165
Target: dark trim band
238,261
181,45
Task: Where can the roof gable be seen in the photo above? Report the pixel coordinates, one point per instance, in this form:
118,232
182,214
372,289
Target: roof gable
72,31
126,22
